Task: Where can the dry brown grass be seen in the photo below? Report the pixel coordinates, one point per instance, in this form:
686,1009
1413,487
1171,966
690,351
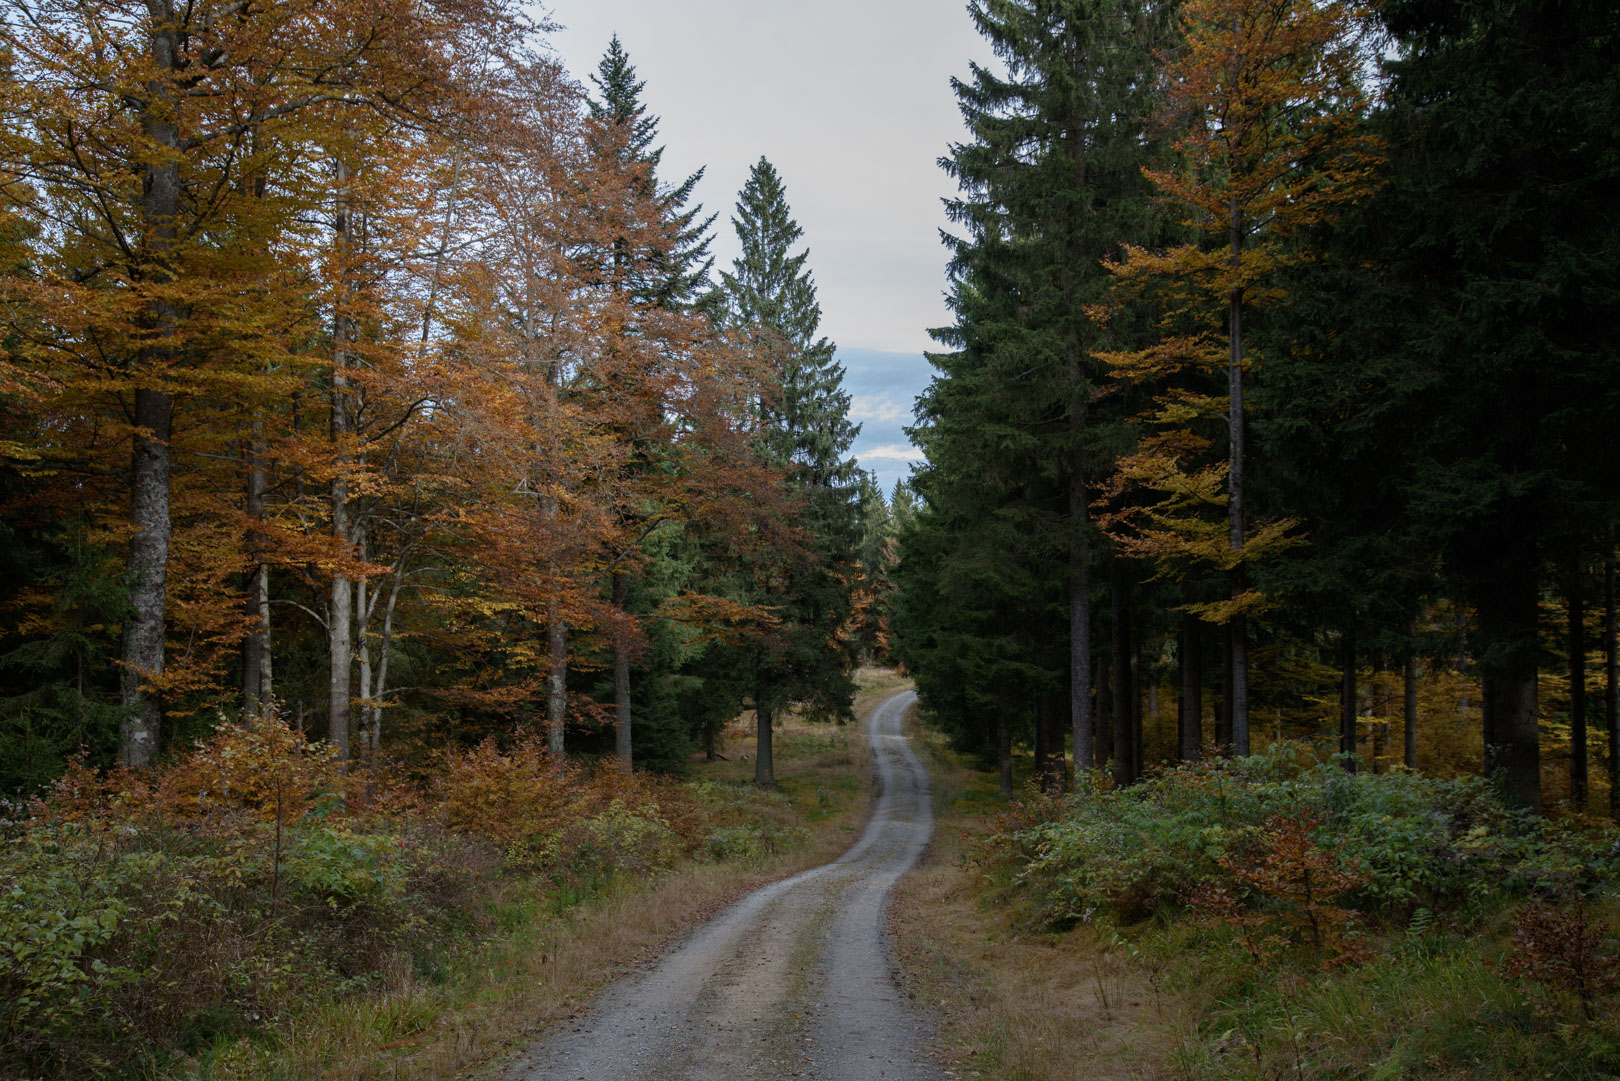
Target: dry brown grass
1016,1004
547,968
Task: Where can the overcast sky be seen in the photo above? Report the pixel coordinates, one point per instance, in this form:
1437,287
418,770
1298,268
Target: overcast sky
851,101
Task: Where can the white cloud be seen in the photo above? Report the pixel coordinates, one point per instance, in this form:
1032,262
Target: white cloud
891,452
875,407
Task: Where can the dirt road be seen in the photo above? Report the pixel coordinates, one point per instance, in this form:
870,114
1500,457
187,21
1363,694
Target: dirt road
792,981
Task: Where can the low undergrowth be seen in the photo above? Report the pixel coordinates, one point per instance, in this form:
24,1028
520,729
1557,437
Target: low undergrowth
1275,918
1336,925
253,911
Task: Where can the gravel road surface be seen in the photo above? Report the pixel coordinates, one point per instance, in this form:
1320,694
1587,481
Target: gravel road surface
792,981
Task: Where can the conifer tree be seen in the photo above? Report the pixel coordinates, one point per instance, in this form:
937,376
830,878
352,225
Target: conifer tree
660,270
1051,185
771,300
1496,234
678,274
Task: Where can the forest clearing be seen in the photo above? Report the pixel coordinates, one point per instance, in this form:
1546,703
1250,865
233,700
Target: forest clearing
458,601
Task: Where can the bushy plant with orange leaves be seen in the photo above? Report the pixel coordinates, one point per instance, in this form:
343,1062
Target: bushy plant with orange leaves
1288,891
223,890
228,889
564,818
261,768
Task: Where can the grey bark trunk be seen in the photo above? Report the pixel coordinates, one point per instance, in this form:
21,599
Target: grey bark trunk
380,688
147,579
340,605
557,682
340,659
1192,690
621,675
364,601
146,570
256,646
764,766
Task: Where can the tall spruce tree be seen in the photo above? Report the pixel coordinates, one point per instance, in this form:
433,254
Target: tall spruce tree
677,275
771,298
1051,185
669,273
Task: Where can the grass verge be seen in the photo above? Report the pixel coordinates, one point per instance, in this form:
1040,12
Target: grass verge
252,911
545,965
1264,919
1017,1003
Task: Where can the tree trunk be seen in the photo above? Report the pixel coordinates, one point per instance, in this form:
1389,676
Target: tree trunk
1238,625
1124,688
1081,707
380,688
556,681
364,602
764,766
1380,716
256,646
1104,715
1508,607
1136,712
340,658
621,674
1409,708
1192,690
1042,737
340,606
147,579
1004,753
146,571
1611,677
1223,712
1347,701
1577,690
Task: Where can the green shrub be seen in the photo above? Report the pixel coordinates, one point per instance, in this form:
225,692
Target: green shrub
1419,842
60,902
342,866
745,842
620,839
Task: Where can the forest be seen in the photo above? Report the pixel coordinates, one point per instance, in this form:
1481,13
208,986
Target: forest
425,575
361,366
1279,403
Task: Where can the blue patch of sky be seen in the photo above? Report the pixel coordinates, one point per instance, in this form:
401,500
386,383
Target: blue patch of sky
883,388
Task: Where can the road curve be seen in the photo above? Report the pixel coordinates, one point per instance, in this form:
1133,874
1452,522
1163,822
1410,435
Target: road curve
792,981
